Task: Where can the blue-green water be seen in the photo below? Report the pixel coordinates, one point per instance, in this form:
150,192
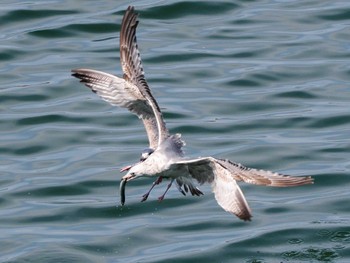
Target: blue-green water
264,83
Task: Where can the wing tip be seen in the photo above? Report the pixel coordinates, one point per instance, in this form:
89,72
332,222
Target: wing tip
246,216
82,75
130,8
79,73
294,181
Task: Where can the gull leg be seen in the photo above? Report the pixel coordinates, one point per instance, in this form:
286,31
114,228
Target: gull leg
160,198
156,182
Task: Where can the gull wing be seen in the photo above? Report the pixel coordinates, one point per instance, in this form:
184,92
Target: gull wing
226,190
131,91
262,177
131,63
119,92
223,176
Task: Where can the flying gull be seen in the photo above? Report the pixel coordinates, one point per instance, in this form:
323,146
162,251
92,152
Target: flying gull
164,157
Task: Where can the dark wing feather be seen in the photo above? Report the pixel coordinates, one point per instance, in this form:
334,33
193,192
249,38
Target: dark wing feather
115,90
262,177
223,176
131,92
226,190
133,71
119,92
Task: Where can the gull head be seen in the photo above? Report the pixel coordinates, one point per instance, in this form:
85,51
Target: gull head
136,171
144,155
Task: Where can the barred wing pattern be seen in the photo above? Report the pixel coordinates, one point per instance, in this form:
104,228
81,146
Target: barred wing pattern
119,92
223,176
165,158
262,177
131,91
131,63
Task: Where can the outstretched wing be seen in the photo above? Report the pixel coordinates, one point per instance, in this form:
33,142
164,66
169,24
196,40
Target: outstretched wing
131,63
226,190
223,176
132,91
262,177
119,92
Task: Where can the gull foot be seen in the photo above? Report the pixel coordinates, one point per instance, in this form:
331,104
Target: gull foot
144,197
156,182
160,198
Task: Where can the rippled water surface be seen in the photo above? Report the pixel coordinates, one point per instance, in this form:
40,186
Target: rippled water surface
264,83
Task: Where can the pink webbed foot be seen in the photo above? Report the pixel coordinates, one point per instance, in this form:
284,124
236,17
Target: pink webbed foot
156,182
160,198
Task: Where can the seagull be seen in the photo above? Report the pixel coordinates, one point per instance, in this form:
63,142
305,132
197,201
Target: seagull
164,157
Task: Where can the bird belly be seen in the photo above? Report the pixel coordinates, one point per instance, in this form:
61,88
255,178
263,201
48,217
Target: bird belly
175,172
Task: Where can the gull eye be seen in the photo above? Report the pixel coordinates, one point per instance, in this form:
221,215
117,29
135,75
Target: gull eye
145,154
